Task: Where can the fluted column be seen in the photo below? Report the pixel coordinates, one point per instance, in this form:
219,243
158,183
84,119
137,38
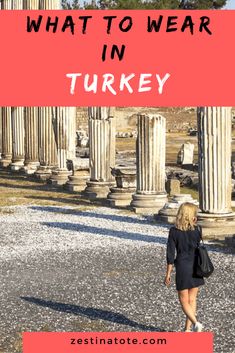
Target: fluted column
17,114
102,151
31,140
31,4
151,150
214,145
215,159
12,5
102,142
49,4
65,140
6,137
6,4
31,120
18,138
47,143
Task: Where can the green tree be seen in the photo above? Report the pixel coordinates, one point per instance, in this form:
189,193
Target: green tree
133,4
141,4
202,4
70,5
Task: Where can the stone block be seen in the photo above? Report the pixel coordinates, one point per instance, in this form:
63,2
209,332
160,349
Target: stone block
172,187
186,154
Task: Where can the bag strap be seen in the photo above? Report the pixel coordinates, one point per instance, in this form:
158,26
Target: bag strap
200,232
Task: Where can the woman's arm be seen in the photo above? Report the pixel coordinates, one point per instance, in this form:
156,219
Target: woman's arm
170,257
168,274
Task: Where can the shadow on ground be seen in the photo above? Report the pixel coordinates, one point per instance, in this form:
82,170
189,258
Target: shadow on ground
106,232
91,313
76,227
112,217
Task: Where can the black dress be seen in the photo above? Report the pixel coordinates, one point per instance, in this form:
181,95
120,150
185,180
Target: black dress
185,244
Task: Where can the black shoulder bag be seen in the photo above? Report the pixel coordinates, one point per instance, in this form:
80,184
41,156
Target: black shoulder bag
203,264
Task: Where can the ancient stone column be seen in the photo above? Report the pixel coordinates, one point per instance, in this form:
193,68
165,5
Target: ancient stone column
49,4
102,151
6,5
18,138
214,142
31,120
7,150
31,4
65,141
151,150
47,143
6,137
17,115
31,140
12,5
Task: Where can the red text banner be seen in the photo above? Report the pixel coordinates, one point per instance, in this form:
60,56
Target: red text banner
117,58
117,342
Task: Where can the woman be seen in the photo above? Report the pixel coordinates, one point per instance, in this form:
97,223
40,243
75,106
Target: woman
184,238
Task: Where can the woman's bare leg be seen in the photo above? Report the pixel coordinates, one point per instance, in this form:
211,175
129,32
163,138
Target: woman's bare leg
193,303
186,307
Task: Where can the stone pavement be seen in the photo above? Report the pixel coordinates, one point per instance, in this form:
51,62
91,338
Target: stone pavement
98,270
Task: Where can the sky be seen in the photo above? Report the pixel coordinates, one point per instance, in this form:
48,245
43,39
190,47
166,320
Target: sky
230,4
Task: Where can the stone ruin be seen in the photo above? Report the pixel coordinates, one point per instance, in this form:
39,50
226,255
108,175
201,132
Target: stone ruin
186,154
45,148
132,134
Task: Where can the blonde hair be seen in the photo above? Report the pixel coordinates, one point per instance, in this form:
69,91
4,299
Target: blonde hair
185,219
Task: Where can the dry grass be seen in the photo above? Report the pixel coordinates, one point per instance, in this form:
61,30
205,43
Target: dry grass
173,143
18,190
192,192
125,144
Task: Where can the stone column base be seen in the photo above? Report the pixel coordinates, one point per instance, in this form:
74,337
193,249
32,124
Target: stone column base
5,163
217,226
59,177
148,203
30,168
43,173
97,189
169,212
119,197
77,182
17,165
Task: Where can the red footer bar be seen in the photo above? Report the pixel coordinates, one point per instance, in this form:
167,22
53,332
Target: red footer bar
117,342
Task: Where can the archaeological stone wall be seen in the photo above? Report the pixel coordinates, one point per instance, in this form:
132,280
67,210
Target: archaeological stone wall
177,119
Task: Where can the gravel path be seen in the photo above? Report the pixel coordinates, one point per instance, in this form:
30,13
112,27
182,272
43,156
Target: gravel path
98,270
